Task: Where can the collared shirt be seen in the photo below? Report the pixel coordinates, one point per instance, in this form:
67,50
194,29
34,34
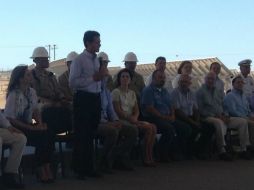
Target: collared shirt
63,81
168,83
4,123
184,101
210,103
219,84
81,73
248,87
127,100
194,82
21,106
236,104
46,85
159,98
110,83
107,111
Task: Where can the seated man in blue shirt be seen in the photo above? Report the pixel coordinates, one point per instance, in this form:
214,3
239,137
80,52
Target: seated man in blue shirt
237,105
186,110
110,128
157,108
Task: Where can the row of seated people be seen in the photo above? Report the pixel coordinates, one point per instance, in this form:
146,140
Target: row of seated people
183,131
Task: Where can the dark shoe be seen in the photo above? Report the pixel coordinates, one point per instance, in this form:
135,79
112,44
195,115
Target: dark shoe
150,164
81,177
50,181
250,148
177,157
246,155
94,175
107,170
203,156
225,156
9,181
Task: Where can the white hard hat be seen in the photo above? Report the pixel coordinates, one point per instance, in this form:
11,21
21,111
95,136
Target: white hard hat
131,57
103,56
40,52
71,56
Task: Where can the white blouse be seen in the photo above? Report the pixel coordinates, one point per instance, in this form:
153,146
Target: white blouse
21,106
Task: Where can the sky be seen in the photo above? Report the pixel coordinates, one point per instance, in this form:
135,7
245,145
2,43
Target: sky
176,29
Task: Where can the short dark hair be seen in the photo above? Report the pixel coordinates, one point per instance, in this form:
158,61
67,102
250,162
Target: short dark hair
160,58
214,63
237,77
118,82
179,70
89,36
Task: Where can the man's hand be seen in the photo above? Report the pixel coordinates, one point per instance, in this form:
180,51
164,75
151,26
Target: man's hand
117,124
41,126
225,119
14,130
132,119
170,117
98,76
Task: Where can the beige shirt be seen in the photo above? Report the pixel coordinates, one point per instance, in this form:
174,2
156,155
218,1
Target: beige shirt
46,85
137,84
127,100
63,81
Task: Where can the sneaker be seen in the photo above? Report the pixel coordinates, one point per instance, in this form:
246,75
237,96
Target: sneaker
94,175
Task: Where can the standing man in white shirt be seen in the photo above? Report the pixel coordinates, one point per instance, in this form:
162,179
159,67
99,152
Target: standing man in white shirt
85,79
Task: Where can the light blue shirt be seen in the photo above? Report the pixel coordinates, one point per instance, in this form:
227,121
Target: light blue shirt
81,73
159,98
107,110
185,102
236,104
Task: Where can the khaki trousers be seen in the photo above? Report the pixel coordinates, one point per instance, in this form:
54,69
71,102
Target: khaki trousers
17,141
234,123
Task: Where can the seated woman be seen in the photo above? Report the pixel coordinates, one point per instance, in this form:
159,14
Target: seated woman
126,107
110,129
22,112
186,68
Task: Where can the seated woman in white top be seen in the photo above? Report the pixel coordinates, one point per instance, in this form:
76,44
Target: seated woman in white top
126,107
22,112
186,68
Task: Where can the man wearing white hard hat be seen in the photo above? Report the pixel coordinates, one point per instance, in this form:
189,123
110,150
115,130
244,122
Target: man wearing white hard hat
50,98
137,83
63,79
248,88
103,57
